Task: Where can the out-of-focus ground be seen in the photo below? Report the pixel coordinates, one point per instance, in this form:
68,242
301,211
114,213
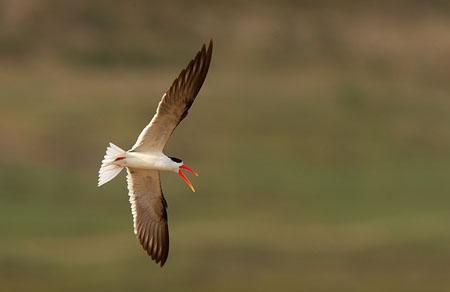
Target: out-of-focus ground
321,135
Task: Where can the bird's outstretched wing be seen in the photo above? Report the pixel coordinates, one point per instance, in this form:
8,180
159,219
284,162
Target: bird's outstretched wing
149,212
175,103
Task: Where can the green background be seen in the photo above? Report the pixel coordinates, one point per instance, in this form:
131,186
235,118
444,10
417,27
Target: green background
321,135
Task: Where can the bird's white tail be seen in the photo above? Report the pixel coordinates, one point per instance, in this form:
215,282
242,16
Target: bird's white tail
109,170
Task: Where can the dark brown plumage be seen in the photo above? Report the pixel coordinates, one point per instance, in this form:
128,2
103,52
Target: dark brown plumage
175,103
148,207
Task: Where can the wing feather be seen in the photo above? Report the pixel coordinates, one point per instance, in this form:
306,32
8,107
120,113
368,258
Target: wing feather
175,103
148,207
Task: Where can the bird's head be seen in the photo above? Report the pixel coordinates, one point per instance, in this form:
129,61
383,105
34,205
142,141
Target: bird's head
182,166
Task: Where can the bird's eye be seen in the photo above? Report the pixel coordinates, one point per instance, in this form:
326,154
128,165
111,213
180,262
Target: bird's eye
174,159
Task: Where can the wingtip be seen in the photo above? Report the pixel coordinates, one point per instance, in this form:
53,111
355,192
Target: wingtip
207,49
210,45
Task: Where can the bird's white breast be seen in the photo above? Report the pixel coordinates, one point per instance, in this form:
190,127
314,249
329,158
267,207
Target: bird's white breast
157,161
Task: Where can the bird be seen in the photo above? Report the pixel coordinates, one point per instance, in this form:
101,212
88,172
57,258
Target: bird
146,159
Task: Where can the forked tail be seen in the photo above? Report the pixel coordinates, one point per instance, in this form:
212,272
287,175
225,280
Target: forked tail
109,170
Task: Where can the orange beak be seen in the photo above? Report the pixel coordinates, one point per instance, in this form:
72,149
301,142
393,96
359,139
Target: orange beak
188,182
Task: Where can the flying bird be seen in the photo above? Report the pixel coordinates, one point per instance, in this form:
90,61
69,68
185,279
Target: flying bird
146,159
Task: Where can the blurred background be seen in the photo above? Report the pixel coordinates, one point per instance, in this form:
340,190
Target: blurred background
321,135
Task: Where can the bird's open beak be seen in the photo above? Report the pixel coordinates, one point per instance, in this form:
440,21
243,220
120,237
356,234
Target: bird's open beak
180,173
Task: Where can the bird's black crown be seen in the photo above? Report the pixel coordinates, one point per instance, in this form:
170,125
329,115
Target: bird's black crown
177,160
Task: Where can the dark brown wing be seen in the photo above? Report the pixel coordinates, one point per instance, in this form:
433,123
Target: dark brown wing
175,103
149,212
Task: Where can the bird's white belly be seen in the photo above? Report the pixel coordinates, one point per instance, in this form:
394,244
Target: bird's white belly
156,161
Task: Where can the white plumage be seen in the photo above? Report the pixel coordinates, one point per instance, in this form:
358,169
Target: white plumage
109,170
